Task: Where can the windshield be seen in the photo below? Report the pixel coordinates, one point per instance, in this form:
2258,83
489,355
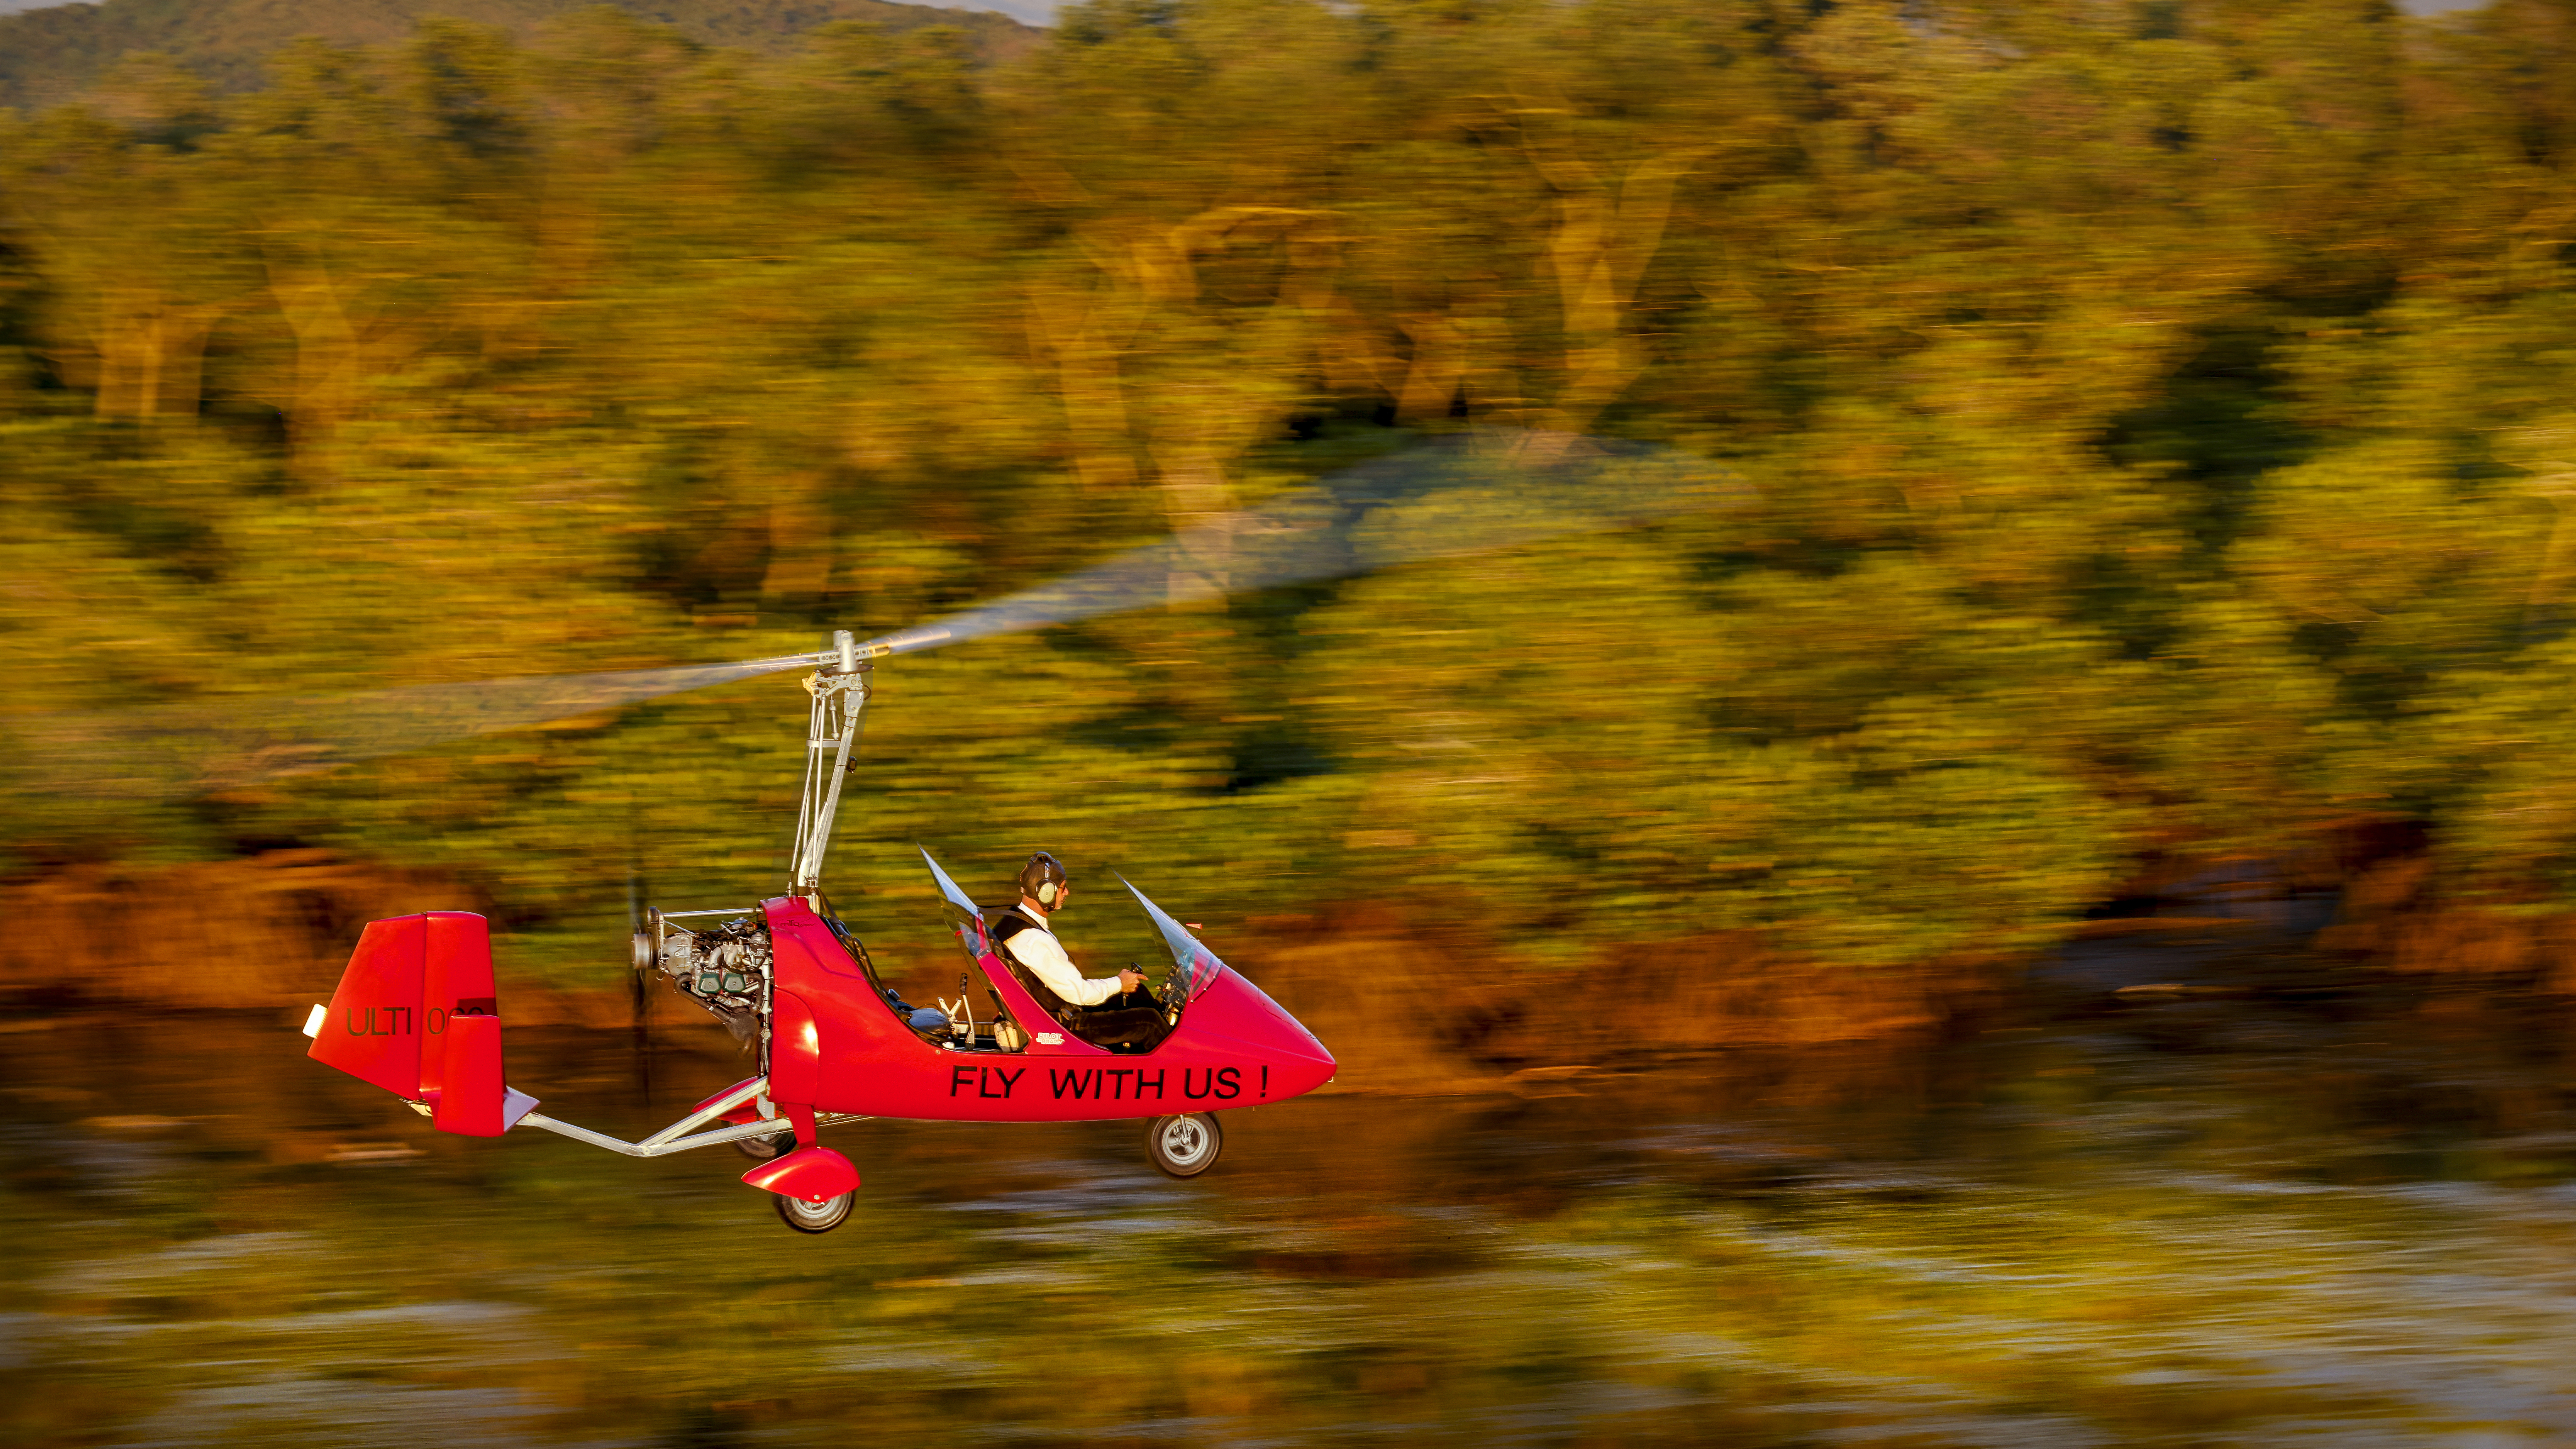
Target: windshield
1192,961
964,916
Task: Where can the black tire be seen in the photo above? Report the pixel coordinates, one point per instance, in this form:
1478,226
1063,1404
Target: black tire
761,1149
813,1217
1184,1145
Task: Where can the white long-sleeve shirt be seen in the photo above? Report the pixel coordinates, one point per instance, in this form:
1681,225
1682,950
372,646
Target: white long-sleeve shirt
1037,949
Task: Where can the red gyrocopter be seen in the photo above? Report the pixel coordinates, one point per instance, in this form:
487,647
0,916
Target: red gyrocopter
416,1013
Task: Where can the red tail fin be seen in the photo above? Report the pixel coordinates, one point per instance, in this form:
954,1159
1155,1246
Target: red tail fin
455,980
373,1028
470,1105
416,1014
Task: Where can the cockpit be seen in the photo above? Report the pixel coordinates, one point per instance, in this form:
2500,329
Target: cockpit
1127,1030
977,1019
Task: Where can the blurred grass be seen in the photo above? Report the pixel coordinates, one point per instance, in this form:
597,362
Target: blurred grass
2139,1251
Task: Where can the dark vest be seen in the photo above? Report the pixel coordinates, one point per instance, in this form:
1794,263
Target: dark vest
1007,922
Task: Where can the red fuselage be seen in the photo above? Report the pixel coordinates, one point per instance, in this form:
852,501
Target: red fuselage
838,1047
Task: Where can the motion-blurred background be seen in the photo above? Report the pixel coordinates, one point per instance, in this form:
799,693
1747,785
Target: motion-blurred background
2157,424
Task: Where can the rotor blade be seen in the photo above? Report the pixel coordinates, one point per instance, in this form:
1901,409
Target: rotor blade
1468,494
1477,493
225,742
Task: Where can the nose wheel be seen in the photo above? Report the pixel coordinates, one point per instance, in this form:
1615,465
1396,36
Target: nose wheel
1184,1145
814,1217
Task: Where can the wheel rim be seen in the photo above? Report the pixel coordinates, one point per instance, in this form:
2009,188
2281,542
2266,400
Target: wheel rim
1184,1141
822,1214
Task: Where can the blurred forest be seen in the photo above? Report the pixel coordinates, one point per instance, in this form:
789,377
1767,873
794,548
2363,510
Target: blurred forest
51,55
2163,414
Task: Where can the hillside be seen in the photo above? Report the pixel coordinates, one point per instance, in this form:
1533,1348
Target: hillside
47,56
2155,454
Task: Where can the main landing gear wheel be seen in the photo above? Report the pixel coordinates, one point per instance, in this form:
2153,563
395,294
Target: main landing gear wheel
814,1217
1184,1146
761,1149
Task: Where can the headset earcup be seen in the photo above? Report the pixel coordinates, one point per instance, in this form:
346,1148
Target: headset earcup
1046,894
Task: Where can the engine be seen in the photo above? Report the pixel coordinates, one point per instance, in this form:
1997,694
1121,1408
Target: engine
720,968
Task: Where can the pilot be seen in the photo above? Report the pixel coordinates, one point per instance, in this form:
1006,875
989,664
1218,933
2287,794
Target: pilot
1023,931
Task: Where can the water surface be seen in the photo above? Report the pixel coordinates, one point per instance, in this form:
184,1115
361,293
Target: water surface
2316,1213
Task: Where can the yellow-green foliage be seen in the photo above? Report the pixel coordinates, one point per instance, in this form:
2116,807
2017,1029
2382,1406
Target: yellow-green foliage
2158,415
51,54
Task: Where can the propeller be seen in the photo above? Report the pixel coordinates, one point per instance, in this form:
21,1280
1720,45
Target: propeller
1466,494
639,980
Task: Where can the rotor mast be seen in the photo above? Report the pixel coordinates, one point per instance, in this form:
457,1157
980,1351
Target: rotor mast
840,691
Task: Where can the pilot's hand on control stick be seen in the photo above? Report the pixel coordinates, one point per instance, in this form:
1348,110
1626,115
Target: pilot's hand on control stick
1130,980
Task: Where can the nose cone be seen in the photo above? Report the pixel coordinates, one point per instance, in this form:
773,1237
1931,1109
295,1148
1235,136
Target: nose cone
1232,1007
1295,1076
